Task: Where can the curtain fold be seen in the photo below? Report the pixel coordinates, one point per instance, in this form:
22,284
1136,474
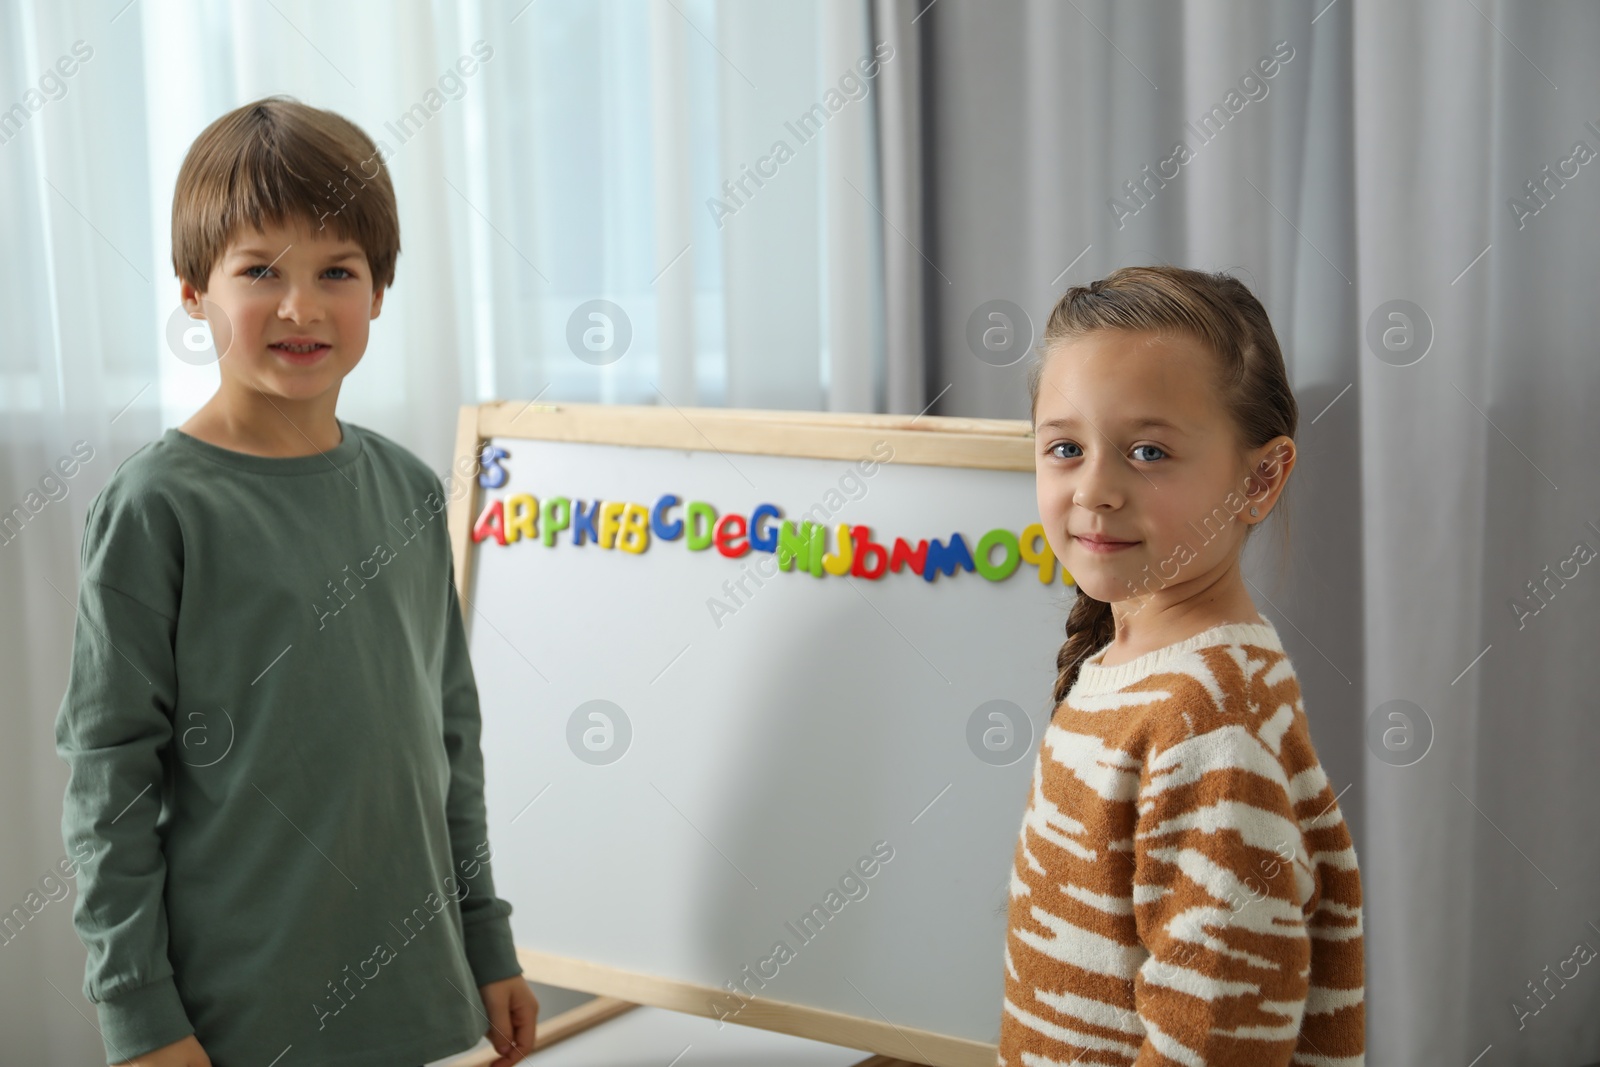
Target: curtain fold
674,206
906,186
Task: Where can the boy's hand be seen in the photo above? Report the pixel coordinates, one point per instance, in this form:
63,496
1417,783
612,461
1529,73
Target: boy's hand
513,1010
185,1053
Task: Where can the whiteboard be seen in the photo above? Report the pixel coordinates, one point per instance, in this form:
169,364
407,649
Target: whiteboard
759,756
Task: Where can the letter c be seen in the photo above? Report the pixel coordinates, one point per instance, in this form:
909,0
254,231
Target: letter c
666,531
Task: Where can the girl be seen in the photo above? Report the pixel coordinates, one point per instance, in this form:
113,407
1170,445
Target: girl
1184,889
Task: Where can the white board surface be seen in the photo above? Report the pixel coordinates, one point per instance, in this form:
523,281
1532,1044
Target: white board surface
770,754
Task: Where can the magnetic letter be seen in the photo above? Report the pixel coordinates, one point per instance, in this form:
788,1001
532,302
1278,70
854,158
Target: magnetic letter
1036,550
557,515
701,517
871,559
667,531
1011,561
522,513
728,535
492,523
635,534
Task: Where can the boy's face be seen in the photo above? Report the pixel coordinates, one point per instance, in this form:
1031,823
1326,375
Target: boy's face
1099,471
285,284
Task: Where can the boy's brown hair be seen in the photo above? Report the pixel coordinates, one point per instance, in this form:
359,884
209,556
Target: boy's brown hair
280,161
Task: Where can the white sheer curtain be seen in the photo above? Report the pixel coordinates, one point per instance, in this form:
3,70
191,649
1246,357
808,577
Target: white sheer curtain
575,164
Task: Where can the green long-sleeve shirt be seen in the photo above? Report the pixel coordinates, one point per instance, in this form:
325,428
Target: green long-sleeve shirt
272,728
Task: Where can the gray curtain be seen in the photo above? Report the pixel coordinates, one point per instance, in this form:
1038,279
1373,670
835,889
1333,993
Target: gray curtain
1446,505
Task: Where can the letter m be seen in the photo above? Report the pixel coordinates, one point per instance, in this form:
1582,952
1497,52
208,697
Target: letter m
944,559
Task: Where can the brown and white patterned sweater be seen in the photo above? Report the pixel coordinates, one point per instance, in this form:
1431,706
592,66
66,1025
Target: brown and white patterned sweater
1185,889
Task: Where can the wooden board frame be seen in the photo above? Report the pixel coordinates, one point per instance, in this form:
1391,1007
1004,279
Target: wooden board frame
992,444
817,1024
558,1028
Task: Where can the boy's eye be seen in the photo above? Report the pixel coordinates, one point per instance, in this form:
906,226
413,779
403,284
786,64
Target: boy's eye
1055,449
344,272
1154,448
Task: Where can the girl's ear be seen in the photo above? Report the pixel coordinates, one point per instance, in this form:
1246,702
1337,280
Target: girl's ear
1269,471
1278,457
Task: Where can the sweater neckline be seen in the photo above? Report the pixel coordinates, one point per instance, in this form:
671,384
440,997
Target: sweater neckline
1096,680
348,448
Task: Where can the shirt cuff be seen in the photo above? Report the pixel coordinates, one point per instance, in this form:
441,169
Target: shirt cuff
142,1020
491,953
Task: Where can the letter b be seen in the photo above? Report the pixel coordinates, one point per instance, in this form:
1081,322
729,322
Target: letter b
871,559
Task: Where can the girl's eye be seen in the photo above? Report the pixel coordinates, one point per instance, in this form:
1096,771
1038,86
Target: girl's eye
1060,445
1156,448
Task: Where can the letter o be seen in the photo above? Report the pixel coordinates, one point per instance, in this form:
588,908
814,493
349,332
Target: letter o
1012,559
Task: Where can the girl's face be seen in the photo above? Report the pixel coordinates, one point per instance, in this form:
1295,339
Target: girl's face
1133,446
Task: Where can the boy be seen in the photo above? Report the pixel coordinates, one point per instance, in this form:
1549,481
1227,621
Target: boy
271,720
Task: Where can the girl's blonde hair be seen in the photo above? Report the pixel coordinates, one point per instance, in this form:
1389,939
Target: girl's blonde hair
1215,309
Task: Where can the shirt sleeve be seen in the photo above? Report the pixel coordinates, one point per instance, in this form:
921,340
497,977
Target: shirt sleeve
114,729
485,918
1217,904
